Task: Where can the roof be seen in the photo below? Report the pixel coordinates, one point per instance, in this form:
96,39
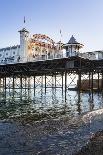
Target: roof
101,51
72,40
11,47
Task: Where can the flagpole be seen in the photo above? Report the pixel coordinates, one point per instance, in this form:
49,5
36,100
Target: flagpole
60,40
24,21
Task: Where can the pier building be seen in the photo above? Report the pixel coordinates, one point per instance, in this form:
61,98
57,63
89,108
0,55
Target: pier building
37,47
72,47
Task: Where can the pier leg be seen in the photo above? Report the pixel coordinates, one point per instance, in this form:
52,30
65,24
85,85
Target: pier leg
92,85
79,80
55,84
79,103
98,83
25,80
21,87
29,87
89,83
5,82
0,87
62,84
42,86
102,83
21,81
13,86
34,85
55,80
5,86
65,85
0,82
52,81
45,83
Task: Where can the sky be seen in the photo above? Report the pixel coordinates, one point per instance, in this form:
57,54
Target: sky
81,18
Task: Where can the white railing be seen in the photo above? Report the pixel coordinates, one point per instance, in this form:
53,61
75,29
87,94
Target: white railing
46,57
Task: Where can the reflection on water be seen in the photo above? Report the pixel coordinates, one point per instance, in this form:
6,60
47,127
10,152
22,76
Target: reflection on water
22,101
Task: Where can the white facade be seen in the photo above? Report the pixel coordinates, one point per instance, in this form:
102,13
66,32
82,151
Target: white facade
10,54
16,53
95,55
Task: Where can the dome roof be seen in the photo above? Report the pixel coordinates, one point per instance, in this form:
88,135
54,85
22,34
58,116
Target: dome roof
24,30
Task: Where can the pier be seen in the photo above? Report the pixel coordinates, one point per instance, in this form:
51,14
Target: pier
55,73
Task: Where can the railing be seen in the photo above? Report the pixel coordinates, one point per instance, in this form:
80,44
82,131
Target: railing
46,57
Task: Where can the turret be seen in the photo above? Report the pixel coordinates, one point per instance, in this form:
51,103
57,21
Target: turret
72,47
24,34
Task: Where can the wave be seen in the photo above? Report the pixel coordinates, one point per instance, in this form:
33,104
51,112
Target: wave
92,115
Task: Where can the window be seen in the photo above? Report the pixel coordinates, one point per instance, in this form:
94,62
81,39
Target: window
6,53
14,52
0,55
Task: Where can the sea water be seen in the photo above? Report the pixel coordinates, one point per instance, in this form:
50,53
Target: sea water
48,124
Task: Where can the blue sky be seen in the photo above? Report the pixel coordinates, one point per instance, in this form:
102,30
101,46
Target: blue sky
82,18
